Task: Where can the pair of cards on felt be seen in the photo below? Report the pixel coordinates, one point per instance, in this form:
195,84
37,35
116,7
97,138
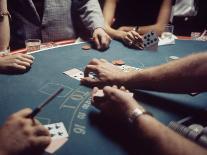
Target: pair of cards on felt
78,74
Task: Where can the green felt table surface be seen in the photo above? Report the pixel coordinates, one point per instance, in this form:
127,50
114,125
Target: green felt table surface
88,132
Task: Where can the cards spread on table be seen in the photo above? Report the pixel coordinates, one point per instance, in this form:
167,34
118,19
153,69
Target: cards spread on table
58,135
77,74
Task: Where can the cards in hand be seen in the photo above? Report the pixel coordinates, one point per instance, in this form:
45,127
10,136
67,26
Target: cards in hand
77,74
58,135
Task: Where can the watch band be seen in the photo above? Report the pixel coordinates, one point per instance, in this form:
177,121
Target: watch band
137,112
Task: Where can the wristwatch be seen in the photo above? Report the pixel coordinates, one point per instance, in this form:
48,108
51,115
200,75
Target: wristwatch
4,13
137,112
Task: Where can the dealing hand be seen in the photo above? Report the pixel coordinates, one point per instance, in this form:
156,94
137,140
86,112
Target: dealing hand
106,73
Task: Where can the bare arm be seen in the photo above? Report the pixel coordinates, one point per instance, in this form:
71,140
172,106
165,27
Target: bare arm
108,13
186,74
164,141
4,27
162,20
161,140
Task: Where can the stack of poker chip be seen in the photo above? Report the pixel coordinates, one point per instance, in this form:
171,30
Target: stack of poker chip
194,132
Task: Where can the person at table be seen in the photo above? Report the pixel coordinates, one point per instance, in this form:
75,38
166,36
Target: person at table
126,20
160,139
184,75
20,135
53,21
189,16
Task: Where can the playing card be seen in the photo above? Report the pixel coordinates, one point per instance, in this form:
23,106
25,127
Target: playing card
127,68
78,74
58,135
150,39
57,130
75,73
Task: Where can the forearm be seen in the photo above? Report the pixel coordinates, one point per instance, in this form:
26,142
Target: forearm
4,27
113,33
184,75
162,140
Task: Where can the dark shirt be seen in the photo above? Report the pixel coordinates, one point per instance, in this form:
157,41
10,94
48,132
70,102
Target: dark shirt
137,12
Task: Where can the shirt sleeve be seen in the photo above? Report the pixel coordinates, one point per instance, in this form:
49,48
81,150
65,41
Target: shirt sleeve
90,13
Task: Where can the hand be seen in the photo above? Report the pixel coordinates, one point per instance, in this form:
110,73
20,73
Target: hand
117,103
126,28
22,135
16,61
101,39
133,38
106,73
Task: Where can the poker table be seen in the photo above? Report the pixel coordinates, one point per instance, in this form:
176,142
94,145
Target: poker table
89,132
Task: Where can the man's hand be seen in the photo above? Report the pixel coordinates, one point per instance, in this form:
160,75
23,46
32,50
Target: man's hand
15,62
106,73
117,103
101,39
21,135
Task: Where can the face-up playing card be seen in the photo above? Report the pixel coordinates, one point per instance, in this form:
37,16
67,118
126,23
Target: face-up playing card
58,135
78,74
57,130
127,68
150,39
75,73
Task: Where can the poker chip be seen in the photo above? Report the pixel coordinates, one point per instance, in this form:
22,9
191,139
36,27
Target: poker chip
118,62
173,58
86,47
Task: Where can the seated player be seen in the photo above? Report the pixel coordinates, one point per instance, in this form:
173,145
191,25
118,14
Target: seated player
52,21
118,103
15,62
189,16
21,135
126,20
185,75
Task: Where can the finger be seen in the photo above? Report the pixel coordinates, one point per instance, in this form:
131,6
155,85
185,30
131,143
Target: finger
103,60
22,63
41,131
130,36
105,41
30,61
27,56
94,61
41,142
127,40
90,81
115,86
96,40
24,112
95,89
136,35
122,88
35,122
90,68
18,67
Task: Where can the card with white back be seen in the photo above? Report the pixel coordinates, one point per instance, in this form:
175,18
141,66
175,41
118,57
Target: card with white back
150,40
